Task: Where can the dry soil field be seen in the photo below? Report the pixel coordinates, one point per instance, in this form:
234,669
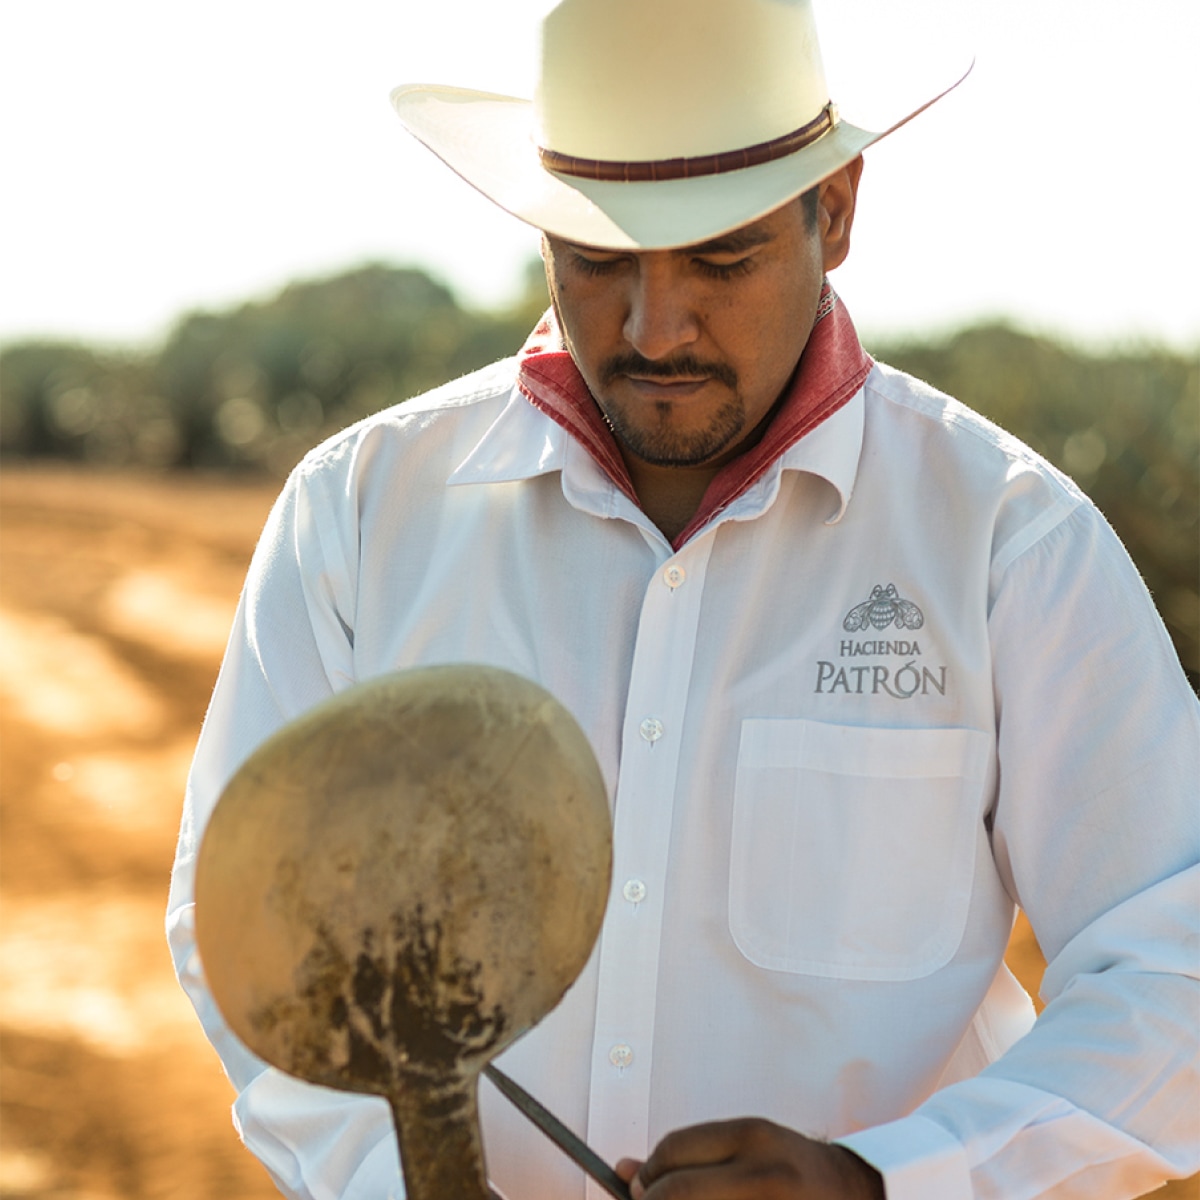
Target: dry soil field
115,597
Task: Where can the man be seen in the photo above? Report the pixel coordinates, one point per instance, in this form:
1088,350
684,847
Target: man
862,672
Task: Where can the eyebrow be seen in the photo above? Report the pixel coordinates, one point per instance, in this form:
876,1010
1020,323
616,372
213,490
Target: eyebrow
733,242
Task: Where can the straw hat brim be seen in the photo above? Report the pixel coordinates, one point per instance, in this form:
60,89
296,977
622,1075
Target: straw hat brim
487,139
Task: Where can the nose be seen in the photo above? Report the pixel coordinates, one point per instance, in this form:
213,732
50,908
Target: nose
661,317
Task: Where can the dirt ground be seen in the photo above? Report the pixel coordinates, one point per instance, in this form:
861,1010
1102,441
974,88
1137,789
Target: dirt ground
116,594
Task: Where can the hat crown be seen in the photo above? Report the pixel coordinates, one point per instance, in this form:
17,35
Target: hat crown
646,80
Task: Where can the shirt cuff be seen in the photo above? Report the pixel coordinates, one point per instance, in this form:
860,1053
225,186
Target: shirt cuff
917,1158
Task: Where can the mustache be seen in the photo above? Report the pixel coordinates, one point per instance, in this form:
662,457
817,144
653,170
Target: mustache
682,366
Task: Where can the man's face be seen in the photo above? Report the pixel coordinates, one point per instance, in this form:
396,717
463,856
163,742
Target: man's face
686,351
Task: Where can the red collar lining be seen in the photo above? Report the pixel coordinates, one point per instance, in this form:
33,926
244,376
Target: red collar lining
832,368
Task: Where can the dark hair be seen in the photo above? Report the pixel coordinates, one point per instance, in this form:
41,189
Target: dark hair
808,201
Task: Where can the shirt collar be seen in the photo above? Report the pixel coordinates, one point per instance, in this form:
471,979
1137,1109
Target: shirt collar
520,444
830,373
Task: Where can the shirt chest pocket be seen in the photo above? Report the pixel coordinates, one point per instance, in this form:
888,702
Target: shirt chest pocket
853,849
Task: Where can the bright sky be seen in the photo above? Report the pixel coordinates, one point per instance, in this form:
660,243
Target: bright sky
159,157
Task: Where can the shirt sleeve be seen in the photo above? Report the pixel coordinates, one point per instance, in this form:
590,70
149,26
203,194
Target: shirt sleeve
1096,832
291,647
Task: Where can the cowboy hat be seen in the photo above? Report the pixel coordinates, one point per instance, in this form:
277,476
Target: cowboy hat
662,123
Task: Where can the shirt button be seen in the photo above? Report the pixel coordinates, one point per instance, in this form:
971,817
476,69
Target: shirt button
674,575
634,891
620,1055
651,729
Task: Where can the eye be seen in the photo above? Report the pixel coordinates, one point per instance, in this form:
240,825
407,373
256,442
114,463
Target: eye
595,265
721,269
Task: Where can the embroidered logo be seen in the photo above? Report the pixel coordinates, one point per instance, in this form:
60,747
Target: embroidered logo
901,678
884,608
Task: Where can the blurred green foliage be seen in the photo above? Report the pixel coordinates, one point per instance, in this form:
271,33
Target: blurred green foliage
253,388
1125,426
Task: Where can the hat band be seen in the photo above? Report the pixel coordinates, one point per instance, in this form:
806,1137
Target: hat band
657,170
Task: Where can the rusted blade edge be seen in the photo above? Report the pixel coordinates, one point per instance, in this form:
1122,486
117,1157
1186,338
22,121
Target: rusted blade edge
574,1147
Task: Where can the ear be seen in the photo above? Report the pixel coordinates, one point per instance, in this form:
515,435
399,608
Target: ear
836,199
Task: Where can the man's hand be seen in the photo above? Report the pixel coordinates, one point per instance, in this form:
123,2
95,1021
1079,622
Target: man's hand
749,1159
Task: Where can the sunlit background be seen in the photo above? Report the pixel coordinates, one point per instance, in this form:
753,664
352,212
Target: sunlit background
161,157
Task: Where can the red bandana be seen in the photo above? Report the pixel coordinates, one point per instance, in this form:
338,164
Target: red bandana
831,370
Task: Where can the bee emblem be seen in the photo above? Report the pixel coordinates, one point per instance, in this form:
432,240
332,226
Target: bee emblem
884,608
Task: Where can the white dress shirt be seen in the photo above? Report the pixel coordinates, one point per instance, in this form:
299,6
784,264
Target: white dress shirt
906,681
